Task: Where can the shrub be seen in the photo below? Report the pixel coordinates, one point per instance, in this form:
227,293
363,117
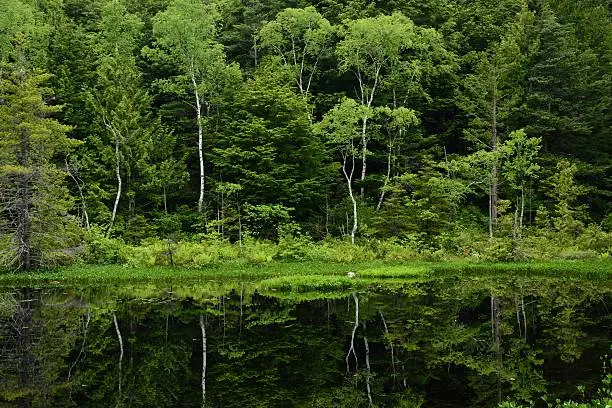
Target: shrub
340,251
259,252
594,238
294,248
394,250
100,249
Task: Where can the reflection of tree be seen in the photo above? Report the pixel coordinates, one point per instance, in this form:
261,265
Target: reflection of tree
37,338
425,344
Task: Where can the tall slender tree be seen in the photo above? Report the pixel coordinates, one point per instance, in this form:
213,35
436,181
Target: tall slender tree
493,93
340,127
119,99
185,34
34,202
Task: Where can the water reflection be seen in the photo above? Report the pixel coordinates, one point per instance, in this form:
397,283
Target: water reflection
443,342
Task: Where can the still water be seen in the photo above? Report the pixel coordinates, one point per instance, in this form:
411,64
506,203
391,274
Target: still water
435,342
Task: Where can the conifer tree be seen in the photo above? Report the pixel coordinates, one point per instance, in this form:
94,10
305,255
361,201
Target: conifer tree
34,201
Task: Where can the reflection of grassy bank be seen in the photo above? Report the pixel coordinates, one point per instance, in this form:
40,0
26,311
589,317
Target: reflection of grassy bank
303,273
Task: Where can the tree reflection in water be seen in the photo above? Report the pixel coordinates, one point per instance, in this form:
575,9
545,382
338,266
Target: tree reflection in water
442,342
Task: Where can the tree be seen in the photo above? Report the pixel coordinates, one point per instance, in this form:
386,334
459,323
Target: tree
565,191
520,167
299,37
340,127
396,123
23,35
119,99
185,34
493,93
378,48
266,144
34,200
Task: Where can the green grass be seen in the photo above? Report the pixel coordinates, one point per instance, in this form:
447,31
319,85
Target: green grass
302,274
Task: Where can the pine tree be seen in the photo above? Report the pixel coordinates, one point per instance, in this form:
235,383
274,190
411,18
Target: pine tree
34,201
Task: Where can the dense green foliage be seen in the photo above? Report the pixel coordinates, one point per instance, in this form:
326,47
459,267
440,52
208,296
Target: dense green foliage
454,128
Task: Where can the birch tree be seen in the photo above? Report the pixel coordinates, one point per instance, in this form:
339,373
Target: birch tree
341,127
378,48
299,37
185,34
396,124
371,46
519,168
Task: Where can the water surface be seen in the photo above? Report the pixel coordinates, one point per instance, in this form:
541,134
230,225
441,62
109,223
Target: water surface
436,342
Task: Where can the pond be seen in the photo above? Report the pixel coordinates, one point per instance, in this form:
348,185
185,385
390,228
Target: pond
439,341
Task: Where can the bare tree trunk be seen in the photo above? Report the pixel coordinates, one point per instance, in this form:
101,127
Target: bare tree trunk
522,209
222,215
366,99
515,223
200,141
82,350
25,360
166,328
364,152
369,372
524,318
382,193
355,326
518,316
241,304
24,233
326,213
494,168
496,332
165,200
203,329
120,354
255,56
390,342
239,224
349,180
80,188
119,185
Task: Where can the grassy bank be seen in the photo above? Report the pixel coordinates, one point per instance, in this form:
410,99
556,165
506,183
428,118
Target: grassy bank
300,272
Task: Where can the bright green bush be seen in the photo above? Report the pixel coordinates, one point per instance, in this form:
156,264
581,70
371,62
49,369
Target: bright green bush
602,399
259,252
595,239
100,249
394,250
340,251
461,243
294,248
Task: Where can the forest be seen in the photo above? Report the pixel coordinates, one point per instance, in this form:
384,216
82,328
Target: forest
193,132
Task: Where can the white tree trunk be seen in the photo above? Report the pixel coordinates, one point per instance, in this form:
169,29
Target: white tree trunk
119,185
203,360
390,342
364,152
369,371
352,346
200,141
80,188
349,182
382,193
120,353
